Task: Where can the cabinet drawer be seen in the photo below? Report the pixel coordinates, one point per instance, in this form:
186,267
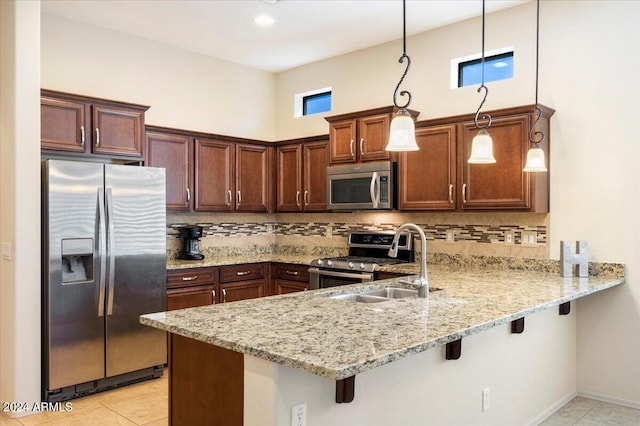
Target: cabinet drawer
245,272
191,277
292,272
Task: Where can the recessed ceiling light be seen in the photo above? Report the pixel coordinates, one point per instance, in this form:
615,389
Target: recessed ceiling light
263,20
270,2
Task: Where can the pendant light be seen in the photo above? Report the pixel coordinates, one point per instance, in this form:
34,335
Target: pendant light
535,155
402,133
482,144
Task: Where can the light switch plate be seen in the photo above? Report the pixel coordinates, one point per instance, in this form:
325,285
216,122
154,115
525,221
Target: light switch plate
510,238
6,251
451,236
529,238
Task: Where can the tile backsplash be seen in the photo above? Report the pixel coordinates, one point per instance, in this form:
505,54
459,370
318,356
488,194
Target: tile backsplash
473,233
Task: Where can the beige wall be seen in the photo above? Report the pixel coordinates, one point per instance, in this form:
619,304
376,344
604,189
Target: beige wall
20,195
185,90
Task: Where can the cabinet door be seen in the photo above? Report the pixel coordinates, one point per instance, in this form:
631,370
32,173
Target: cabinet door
190,297
289,194
214,175
252,170
175,154
502,185
242,290
117,131
342,137
373,132
284,287
316,159
427,177
63,125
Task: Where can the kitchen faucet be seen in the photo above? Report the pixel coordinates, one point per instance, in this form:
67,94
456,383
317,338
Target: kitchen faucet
422,282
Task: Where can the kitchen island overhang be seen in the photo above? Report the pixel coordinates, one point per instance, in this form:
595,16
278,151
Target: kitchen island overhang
338,339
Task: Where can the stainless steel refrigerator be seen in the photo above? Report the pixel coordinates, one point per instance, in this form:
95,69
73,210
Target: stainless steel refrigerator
104,264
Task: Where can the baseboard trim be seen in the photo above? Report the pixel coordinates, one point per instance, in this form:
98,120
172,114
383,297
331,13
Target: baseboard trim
610,399
551,410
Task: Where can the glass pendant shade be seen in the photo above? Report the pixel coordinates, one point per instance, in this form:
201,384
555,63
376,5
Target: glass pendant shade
402,134
535,161
482,149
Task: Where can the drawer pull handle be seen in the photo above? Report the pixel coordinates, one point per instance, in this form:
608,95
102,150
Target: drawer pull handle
450,193
229,196
361,148
291,272
464,193
306,198
213,293
224,295
97,136
82,138
241,273
351,150
297,198
195,277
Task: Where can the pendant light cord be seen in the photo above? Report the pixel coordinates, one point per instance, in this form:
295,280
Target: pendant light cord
401,60
482,86
535,137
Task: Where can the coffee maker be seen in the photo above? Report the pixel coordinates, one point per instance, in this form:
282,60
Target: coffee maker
191,243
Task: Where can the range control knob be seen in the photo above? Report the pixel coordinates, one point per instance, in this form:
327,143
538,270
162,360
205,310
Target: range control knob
362,266
320,262
329,262
350,265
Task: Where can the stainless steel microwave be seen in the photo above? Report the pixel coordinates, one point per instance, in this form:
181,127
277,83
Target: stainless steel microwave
366,186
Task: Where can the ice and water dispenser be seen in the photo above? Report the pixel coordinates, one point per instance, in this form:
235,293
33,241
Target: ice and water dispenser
77,260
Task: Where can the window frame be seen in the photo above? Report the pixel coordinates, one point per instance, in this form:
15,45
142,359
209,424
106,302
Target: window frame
299,104
476,58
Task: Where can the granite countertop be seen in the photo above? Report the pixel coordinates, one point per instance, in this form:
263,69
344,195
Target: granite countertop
302,259
338,339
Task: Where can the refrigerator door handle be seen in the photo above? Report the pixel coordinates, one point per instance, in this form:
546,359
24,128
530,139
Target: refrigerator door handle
102,251
111,248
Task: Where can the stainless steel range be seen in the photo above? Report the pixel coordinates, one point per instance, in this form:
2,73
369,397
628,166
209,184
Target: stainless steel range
367,251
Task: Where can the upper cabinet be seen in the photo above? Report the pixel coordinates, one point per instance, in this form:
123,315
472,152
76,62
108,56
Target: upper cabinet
302,174
438,177
75,124
211,173
360,136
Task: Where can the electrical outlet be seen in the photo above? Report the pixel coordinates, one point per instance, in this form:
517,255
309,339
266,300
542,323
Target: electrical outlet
529,238
299,415
451,236
510,238
485,399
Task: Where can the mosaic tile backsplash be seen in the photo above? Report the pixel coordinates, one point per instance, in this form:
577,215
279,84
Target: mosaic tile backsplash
469,233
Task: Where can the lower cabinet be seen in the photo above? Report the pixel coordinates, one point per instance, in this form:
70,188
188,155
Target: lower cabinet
290,277
188,288
240,282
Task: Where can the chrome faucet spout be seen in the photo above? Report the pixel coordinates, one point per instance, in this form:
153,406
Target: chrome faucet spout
422,283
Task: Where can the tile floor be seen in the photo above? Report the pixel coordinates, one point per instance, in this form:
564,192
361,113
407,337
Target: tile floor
147,404
143,403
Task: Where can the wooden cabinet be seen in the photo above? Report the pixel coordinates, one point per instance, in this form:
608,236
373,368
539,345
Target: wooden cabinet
427,178
438,177
187,288
231,177
360,136
302,176
210,173
245,281
290,277
76,124
175,154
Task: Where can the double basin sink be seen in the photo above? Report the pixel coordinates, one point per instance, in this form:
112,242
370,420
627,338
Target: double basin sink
378,295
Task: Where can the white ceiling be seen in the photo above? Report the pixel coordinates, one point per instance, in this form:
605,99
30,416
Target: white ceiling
304,31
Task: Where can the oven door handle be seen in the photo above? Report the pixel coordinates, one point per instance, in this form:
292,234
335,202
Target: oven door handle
364,276
375,195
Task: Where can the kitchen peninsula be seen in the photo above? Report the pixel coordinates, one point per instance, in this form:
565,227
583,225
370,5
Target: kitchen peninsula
250,362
